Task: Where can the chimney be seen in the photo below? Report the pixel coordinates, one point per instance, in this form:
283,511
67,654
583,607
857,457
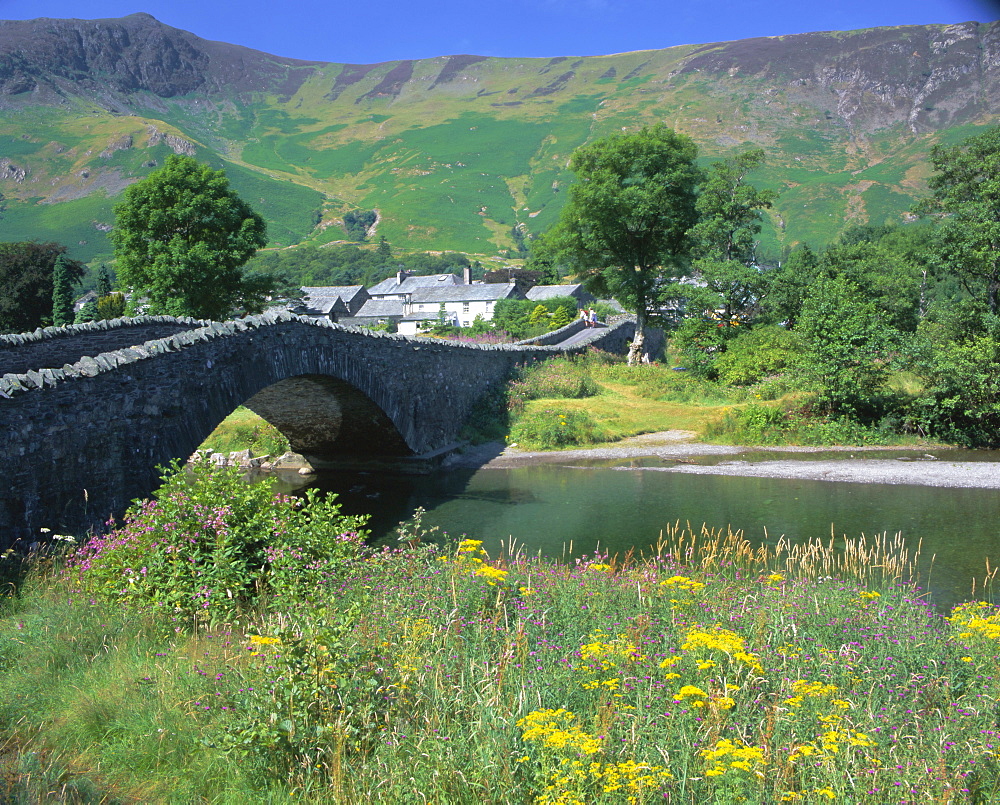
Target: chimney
467,275
400,276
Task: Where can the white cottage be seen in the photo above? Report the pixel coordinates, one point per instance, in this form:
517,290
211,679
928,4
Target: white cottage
461,303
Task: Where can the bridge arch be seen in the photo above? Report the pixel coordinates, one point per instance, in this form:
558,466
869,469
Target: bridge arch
88,412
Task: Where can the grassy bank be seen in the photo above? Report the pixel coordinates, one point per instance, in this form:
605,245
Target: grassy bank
596,398
710,672
244,430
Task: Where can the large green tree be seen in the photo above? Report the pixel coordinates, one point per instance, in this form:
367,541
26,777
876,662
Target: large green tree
966,198
26,283
181,239
725,237
625,226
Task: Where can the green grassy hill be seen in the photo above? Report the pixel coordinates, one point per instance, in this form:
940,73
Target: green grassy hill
455,152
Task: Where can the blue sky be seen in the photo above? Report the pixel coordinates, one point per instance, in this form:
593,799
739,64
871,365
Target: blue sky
368,31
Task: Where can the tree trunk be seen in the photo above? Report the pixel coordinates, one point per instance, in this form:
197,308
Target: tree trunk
635,350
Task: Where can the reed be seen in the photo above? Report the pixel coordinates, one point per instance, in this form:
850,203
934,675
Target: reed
881,558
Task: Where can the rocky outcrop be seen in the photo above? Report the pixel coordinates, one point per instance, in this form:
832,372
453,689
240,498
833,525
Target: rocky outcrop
176,144
118,57
8,170
928,77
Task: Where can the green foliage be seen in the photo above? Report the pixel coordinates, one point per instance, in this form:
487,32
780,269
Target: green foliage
26,283
550,429
628,215
538,315
966,196
312,692
244,430
560,318
357,223
310,265
789,286
87,312
725,237
209,546
754,424
844,346
104,282
62,293
700,341
958,358
751,424
755,354
111,306
884,274
526,318
181,237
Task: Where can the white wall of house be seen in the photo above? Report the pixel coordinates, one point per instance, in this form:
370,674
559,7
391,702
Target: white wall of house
462,312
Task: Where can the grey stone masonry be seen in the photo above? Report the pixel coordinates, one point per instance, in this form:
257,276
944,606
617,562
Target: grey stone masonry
89,412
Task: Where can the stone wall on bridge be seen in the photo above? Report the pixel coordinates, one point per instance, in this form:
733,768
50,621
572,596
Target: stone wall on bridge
84,438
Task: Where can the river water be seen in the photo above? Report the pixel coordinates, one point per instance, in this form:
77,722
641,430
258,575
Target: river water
612,506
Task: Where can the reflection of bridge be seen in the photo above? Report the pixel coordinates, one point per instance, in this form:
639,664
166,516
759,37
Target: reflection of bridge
79,442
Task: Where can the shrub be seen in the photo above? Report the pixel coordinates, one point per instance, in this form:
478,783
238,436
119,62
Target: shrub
700,342
549,429
756,354
761,424
753,424
208,544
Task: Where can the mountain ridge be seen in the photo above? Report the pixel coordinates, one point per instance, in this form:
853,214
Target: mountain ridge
469,152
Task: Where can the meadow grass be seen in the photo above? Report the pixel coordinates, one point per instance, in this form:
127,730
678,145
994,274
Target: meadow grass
709,672
245,430
619,401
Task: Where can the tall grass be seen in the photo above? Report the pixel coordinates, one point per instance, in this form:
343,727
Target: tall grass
709,671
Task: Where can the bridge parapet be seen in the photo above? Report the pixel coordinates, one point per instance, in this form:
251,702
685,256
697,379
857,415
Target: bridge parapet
83,438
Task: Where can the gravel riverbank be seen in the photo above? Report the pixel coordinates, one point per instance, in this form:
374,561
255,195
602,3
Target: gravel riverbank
873,465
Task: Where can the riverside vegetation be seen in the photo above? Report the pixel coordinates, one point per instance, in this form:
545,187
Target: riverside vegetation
595,398
220,645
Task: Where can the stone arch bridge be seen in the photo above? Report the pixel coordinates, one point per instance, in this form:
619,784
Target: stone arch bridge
88,412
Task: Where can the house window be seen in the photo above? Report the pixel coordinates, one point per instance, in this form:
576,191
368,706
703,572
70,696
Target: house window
465,307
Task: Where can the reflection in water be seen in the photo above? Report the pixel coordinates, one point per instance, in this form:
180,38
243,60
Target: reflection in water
546,507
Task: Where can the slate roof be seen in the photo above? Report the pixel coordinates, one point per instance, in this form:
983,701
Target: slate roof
480,292
380,309
345,292
322,300
540,292
410,284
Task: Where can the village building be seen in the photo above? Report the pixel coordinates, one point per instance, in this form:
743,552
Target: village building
411,304
459,305
333,302
402,285
541,293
